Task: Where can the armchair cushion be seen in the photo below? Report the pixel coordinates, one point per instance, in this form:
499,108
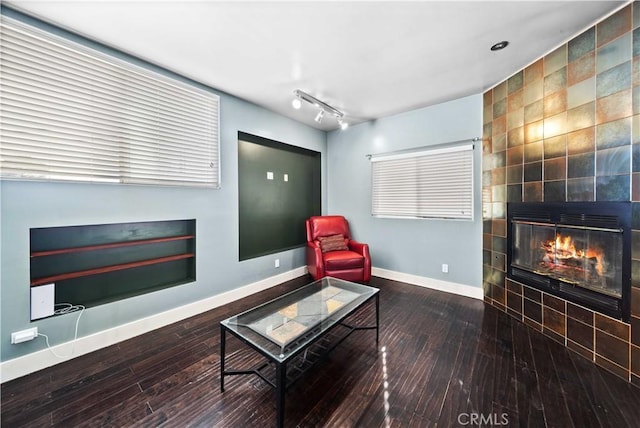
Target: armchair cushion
332,243
343,260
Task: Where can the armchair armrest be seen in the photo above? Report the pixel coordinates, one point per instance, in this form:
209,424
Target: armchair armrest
359,247
315,262
363,249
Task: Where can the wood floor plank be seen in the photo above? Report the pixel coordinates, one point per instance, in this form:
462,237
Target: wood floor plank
608,405
554,403
57,400
125,413
528,399
504,396
431,398
92,400
459,388
71,416
440,357
329,399
581,408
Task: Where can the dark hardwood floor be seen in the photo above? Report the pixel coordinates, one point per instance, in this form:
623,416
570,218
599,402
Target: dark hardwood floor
443,360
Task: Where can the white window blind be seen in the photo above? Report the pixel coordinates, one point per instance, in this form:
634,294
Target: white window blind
436,183
76,114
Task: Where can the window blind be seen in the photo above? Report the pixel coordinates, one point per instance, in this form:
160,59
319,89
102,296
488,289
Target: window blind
73,113
435,183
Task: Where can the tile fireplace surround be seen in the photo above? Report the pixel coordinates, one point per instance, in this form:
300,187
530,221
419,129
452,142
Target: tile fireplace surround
567,128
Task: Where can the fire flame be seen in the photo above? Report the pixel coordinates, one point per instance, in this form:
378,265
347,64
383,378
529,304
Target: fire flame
566,249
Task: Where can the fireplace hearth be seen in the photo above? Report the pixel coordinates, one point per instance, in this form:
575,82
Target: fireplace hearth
579,251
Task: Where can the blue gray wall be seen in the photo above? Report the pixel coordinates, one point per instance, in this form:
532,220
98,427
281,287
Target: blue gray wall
417,247
33,204
38,204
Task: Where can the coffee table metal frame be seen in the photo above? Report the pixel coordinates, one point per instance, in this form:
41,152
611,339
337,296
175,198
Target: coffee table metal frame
281,355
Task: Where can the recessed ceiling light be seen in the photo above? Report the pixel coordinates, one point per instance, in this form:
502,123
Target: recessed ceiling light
500,45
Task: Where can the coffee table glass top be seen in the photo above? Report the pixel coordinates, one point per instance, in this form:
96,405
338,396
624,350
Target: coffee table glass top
287,324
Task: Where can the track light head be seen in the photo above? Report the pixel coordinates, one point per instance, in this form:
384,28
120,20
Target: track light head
324,107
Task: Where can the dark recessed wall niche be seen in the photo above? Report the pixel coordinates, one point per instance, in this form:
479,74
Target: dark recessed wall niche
95,264
279,187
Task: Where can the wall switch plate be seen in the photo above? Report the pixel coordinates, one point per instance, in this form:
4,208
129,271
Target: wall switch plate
24,335
42,301
269,175
445,268
277,263
286,177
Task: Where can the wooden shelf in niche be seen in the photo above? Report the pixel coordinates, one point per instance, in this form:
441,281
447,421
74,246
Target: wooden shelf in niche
96,271
96,264
105,246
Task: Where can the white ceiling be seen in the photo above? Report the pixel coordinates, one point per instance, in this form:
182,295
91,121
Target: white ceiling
367,59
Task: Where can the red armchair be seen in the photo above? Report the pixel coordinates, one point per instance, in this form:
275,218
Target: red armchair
332,252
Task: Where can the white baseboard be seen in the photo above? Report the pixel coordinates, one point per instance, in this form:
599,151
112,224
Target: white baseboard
435,284
21,366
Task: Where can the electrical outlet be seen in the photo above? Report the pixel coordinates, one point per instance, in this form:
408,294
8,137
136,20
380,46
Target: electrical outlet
445,268
24,335
277,263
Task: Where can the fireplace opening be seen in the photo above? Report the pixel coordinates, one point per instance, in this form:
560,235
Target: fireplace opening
579,251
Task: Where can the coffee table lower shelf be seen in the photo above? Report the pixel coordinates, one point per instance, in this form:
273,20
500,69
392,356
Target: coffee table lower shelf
282,374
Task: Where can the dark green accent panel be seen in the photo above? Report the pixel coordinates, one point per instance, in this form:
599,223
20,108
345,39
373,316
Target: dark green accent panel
99,288
272,212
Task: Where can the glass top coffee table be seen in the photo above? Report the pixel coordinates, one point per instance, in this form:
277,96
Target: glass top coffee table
285,329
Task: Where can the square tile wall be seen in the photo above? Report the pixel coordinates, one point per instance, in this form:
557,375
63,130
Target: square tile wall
567,128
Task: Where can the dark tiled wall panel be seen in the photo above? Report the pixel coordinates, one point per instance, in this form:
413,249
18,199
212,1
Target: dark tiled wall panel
567,128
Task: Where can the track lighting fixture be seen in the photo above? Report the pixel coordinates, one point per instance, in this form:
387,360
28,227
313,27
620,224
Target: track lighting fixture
324,107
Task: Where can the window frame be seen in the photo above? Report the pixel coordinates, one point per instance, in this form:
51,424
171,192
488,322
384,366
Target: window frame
401,189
